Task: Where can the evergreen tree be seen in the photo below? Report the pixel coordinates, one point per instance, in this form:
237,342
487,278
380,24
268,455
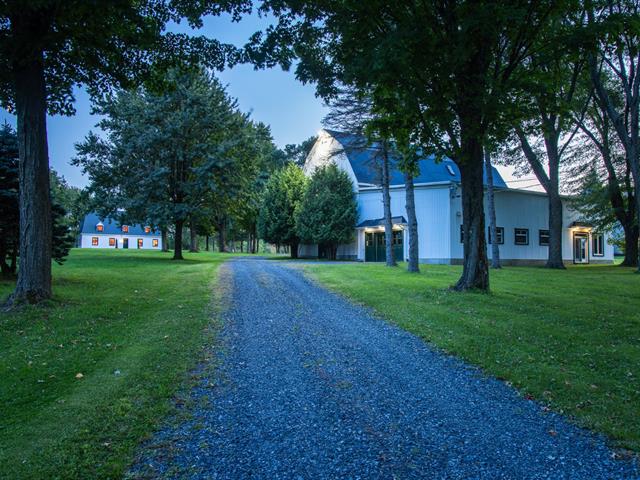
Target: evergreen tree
328,212
280,203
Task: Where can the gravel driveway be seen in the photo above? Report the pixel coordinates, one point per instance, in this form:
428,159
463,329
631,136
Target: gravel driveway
311,387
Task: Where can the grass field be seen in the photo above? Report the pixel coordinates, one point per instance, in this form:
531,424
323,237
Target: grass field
84,379
570,339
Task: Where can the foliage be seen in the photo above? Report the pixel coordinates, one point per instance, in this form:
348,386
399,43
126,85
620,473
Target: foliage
74,200
297,152
281,202
171,154
134,348
585,364
62,237
328,210
9,212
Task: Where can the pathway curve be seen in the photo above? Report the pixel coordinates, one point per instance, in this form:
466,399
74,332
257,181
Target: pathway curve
313,387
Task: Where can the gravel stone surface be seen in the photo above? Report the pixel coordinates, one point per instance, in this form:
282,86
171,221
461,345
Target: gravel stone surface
311,386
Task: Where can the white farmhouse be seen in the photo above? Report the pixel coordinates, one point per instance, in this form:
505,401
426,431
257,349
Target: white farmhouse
522,215
107,233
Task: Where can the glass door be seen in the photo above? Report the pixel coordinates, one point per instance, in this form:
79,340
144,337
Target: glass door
580,248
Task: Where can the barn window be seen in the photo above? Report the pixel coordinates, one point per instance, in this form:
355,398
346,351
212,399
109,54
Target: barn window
112,242
139,243
147,229
154,242
499,234
125,228
598,245
543,238
521,236
94,241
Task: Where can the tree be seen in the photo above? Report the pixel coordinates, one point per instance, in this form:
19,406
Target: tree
456,59
297,152
74,200
328,211
280,204
351,110
48,47
62,238
495,248
605,193
613,40
168,151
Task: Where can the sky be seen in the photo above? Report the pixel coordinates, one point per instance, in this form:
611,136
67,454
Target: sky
273,97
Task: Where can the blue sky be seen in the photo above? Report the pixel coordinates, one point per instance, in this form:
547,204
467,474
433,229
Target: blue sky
272,96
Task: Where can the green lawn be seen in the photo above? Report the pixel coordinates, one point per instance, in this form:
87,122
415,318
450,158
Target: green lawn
570,339
134,325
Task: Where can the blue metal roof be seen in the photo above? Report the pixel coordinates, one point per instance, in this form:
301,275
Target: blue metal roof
111,227
365,160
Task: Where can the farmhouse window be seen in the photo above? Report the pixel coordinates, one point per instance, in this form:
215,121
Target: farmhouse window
499,234
125,228
139,243
94,241
397,237
521,236
543,238
147,229
112,242
154,242
598,245
100,227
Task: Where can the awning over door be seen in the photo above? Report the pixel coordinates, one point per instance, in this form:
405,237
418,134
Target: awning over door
379,222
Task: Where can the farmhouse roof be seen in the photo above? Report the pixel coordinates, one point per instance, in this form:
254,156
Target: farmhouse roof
112,227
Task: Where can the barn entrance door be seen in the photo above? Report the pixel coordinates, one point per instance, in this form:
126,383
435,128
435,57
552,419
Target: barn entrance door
374,248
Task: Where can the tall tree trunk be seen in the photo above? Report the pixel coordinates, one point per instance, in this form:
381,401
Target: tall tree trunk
34,275
555,230
475,271
414,265
630,245
165,239
193,238
177,241
241,245
294,248
495,248
206,243
222,242
386,203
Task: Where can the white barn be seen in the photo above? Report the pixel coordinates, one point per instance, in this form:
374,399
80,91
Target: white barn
522,215
107,233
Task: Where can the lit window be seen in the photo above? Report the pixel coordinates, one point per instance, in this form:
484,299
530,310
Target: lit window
521,236
499,234
147,229
94,241
100,227
543,238
125,228
598,245
154,242
112,242
139,243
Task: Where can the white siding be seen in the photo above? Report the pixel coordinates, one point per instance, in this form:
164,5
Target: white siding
432,211
103,241
522,209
